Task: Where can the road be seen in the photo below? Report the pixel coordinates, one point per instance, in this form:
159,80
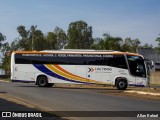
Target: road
70,99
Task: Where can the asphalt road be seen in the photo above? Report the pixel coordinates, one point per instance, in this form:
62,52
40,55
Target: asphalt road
69,99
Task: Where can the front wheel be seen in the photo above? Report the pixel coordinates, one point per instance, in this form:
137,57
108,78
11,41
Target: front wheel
121,84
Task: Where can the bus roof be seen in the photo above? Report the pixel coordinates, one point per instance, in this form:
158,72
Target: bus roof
77,52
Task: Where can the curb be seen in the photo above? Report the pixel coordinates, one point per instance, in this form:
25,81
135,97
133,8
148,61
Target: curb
143,93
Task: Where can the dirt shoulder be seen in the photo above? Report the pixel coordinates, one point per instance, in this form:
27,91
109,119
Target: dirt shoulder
147,93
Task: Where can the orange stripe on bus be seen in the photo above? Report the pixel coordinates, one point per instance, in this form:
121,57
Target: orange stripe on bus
60,68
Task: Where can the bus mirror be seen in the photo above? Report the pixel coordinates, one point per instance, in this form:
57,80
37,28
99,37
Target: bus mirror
150,63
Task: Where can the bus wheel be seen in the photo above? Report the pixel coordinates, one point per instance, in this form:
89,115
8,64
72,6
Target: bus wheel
121,84
42,81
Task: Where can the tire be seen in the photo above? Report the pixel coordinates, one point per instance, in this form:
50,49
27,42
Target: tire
42,81
121,84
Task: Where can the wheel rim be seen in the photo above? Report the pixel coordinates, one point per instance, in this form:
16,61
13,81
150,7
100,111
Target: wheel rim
122,84
42,81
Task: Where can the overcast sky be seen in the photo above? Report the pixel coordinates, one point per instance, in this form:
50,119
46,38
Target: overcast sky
123,18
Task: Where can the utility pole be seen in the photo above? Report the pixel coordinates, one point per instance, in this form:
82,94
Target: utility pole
33,29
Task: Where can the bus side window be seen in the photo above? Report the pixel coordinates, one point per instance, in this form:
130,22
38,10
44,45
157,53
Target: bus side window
117,61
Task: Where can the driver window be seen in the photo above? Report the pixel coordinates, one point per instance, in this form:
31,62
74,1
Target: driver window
140,71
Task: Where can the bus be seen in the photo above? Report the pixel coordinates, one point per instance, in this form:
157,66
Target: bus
45,68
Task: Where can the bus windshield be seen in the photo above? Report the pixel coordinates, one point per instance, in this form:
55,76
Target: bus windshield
137,66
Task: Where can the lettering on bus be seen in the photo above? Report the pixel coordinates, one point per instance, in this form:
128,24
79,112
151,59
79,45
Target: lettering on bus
48,55
32,55
108,56
99,69
68,55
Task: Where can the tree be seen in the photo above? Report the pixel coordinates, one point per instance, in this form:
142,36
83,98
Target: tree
116,43
79,35
2,39
14,45
112,43
126,47
146,45
6,58
56,39
61,38
51,40
130,45
101,45
31,39
158,48
39,41
24,39
95,45
32,36
135,45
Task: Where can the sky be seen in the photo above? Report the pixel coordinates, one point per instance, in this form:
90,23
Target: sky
120,18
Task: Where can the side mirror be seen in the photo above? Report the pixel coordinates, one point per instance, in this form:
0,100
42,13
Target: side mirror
150,63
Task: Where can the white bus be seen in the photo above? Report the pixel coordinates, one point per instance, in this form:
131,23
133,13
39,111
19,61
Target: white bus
44,68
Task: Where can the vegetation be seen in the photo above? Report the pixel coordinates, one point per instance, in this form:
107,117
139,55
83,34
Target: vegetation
78,36
158,48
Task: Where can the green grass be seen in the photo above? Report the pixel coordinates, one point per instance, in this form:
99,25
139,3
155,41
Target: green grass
155,85
5,79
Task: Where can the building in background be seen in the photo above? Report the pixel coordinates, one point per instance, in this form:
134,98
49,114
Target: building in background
151,54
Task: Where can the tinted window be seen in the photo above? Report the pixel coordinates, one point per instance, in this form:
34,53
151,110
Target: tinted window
96,61
117,61
20,59
72,59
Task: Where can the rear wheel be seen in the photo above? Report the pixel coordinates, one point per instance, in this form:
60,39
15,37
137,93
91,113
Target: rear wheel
42,81
121,84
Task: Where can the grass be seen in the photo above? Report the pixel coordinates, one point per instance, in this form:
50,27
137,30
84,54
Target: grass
5,79
152,85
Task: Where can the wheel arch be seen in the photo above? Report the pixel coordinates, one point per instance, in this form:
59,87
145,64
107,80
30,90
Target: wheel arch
40,75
